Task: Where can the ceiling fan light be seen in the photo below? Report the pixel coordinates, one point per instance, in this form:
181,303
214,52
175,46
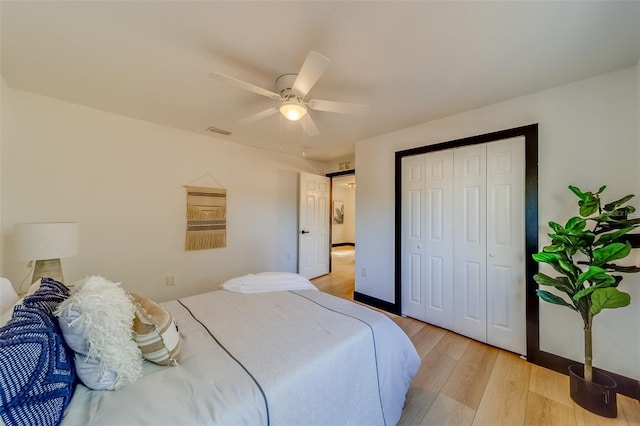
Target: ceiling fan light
293,110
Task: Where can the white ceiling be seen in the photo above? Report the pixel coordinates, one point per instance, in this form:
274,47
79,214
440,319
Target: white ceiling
410,61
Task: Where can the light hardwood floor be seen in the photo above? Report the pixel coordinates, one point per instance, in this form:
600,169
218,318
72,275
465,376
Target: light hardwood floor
464,382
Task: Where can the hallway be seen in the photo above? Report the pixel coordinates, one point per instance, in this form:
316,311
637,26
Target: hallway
341,281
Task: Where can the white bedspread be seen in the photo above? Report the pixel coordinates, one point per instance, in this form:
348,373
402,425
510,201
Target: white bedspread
298,357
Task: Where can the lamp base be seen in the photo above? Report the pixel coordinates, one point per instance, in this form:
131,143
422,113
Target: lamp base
48,268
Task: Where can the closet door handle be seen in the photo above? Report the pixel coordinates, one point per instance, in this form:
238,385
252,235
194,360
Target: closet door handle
492,255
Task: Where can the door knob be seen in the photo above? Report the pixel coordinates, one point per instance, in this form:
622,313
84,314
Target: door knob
304,232
492,255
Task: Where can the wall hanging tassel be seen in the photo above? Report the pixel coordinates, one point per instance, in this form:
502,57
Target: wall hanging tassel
206,218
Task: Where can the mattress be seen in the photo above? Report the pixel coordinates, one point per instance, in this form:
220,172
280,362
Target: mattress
274,358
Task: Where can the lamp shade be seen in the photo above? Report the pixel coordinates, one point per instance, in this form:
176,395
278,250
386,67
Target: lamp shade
293,110
38,241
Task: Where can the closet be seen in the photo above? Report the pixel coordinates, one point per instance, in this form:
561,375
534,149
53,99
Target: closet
463,241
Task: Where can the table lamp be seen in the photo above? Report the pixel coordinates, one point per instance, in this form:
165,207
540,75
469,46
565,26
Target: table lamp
46,243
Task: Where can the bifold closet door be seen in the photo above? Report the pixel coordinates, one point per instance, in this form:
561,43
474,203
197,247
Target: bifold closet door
489,283
470,242
412,235
427,238
506,320
462,237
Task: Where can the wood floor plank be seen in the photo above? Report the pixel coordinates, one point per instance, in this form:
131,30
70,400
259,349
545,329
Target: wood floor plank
630,408
447,411
467,382
550,384
426,339
425,386
416,406
587,418
453,345
409,325
505,397
545,411
434,371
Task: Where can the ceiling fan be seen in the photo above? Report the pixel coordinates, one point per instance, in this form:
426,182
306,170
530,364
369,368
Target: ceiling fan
291,92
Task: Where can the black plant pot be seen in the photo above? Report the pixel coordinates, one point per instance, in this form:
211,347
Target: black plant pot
599,396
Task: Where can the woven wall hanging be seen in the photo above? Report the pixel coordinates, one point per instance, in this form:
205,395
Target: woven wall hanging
206,218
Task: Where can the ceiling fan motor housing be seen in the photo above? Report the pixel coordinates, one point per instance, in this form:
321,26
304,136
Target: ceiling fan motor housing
284,85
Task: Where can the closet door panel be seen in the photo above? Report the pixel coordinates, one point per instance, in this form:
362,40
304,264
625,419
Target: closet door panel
413,237
506,326
469,241
439,238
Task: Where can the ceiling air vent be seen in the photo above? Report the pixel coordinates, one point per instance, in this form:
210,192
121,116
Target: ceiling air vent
214,129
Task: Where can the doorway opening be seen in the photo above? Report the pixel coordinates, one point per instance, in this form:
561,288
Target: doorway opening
341,278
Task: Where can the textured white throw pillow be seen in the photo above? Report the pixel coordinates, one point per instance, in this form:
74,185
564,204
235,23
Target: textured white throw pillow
96,322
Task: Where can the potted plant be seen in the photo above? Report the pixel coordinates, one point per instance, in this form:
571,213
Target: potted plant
582,252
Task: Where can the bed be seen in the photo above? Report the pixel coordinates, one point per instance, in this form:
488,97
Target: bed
272,357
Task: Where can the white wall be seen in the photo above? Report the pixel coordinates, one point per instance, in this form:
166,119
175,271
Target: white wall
588,136
122,180
346,232
335,164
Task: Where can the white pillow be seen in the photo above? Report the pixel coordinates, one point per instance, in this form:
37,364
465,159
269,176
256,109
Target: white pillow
268,281
96,322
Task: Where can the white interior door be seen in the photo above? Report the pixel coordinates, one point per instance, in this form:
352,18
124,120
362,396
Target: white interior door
413,238
470,242
506,323
439,254
313,233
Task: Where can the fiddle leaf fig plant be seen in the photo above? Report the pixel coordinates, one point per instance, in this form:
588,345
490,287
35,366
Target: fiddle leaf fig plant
582,252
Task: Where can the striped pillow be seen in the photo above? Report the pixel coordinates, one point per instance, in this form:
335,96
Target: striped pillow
156,332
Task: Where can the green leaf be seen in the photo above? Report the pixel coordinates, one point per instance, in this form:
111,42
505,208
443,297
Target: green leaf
569,267
602,217
559,283
579,193
562,239
553,248
584,292
611,252
556,227
589,273
618,224
615,204
612,236
587,208
552,298
544,257
602,188
602,281
575,224
608,298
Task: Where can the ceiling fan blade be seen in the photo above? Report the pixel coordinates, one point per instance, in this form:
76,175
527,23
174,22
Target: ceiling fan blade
259,116
244,85
339,107
309,126
312,68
